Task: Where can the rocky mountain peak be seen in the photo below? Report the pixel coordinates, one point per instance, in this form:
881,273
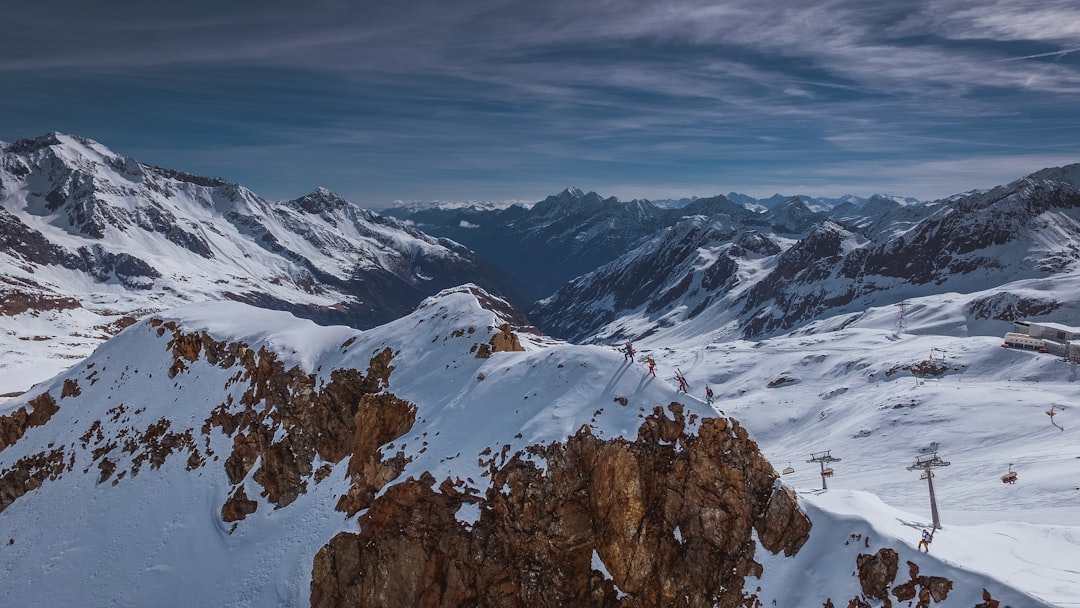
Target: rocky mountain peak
1068,174
321,200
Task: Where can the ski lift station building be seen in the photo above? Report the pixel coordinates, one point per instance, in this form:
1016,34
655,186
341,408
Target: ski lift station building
1054,338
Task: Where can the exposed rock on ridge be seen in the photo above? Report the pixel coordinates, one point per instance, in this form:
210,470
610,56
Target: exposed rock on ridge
669,515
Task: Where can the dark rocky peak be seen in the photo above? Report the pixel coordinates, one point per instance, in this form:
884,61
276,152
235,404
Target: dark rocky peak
33,144
743,199
879,205
773,200
321,200
572,201
822,246
57,152
863,217
717,205
1020,200
847,209
793,216
754,242
191,178
1069,174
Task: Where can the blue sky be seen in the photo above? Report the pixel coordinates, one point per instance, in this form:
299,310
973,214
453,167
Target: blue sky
515,100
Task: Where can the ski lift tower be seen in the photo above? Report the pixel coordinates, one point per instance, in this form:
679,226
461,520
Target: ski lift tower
823,458
901,318
925,464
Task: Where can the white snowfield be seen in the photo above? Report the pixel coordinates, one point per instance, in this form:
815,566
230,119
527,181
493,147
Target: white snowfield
158,538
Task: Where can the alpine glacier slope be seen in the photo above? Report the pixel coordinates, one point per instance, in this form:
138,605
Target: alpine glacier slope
91,240
151,528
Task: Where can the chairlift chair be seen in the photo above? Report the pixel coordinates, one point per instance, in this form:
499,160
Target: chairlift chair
827,472
788,470
1009,477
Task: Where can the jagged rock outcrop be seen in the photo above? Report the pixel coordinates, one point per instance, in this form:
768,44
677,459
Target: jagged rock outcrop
877,571
297,424
29,472
506,340
281,422
923,588
988,601
663,520
14,425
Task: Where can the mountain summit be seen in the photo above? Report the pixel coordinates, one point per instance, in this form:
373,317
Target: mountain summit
97,239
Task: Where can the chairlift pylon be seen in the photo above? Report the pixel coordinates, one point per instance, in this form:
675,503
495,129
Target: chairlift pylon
1050,412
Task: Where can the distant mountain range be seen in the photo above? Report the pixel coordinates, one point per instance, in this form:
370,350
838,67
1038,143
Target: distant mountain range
96,240
762,277
574,232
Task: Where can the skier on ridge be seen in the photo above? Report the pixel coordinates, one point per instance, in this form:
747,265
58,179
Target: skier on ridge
681,379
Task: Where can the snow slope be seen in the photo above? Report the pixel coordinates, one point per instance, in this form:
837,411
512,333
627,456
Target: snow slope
150,538
841,385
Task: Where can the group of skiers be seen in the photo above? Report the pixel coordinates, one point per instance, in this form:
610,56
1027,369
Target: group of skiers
629,351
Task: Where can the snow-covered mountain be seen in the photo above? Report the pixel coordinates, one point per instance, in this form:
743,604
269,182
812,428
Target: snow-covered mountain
233,456
558,238
567,234
406,208
572,233
815,203
798,267
91,240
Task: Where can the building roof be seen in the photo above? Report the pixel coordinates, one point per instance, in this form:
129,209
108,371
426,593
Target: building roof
1056,326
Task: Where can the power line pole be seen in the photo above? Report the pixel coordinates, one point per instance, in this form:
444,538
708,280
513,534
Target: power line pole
926,463
823,457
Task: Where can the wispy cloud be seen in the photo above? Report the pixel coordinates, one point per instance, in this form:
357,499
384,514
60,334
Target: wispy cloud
674,92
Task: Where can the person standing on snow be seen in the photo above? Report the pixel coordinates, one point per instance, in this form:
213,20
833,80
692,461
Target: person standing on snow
708,394
682,381
652,366
927,538
628,351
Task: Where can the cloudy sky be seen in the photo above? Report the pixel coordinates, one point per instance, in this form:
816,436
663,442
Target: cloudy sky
509,99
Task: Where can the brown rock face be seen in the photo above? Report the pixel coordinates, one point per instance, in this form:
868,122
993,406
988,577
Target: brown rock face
14,425
988,601
506,340
379,419
784,526
877,571
925,588
669,515
14,302
28,473
284,423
